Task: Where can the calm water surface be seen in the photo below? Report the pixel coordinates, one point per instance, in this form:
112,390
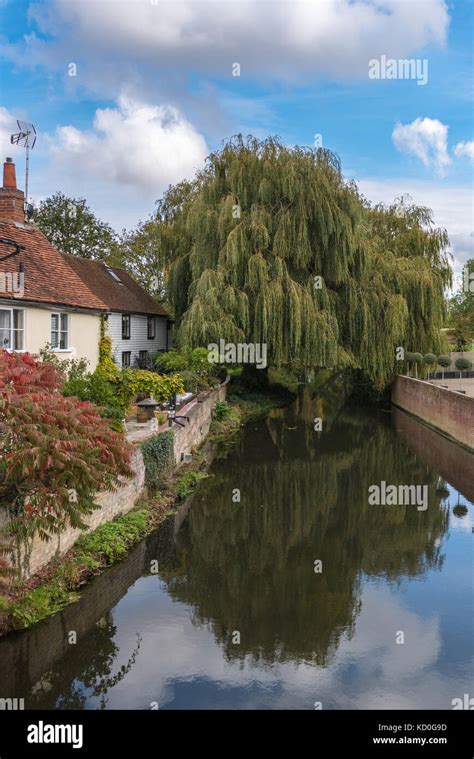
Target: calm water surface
230,571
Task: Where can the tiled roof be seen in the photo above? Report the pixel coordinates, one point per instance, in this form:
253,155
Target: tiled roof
47,276
62,279
126,295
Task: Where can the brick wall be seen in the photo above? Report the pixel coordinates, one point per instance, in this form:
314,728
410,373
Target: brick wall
450,412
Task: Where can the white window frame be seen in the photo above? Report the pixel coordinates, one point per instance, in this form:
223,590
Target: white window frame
59,331
13,330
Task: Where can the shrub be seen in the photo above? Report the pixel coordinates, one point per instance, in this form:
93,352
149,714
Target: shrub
444,362
56,452
463,364
170,362
430,360
192,365
416,358
158,455
221,410
186,483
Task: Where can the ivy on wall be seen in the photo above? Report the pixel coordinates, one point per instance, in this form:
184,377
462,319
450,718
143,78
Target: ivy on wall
158,456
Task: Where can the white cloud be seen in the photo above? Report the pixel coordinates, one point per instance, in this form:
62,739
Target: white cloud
464,149
146,146
426,139
118,40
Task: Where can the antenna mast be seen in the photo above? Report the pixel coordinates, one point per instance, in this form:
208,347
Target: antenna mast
27,138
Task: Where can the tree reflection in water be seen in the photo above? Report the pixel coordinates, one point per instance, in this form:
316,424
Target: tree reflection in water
249,566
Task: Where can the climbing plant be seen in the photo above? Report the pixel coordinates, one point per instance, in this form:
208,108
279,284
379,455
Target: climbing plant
269,244
127,383
158,457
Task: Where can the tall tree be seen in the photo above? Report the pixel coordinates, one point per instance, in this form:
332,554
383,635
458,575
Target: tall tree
71,226
269,244
138,253
461,309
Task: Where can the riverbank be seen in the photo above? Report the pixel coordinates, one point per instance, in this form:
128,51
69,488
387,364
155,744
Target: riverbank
59,583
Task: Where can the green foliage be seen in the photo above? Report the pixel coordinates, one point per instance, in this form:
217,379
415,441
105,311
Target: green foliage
4,604
186,483
444,361
105,545
250,277
110,541
56,452
462,335
461,305
158,455
41,603
70,225
136,252
429,359
170,362
463,364
134,381
221,410
192,365
123,385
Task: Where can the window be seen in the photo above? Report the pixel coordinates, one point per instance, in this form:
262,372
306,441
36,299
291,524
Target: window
59,331
151,327
143,356
113,274
12,329
125,326
126,357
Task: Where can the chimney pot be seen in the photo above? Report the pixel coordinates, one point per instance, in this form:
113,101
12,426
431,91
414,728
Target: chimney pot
9,175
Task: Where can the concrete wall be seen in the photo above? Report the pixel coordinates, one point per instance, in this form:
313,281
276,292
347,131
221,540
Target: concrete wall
124,498
450,412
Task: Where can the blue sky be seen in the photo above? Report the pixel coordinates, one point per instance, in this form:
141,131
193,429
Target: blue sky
153,91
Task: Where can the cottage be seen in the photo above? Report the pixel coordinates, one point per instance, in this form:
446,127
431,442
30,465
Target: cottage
50,297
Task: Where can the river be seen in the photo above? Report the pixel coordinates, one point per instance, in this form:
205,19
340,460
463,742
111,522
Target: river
277,585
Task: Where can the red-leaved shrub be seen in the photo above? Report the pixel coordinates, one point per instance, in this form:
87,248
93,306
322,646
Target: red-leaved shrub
55,452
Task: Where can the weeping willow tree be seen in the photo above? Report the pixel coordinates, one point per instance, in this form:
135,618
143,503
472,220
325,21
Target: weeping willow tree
270,245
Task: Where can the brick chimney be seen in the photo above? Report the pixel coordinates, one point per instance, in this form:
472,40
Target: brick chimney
12,201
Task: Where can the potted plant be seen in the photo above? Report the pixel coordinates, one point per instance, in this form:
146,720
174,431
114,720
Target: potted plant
444,361
430,360
462,364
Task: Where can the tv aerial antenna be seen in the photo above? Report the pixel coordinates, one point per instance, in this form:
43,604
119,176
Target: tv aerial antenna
26,137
